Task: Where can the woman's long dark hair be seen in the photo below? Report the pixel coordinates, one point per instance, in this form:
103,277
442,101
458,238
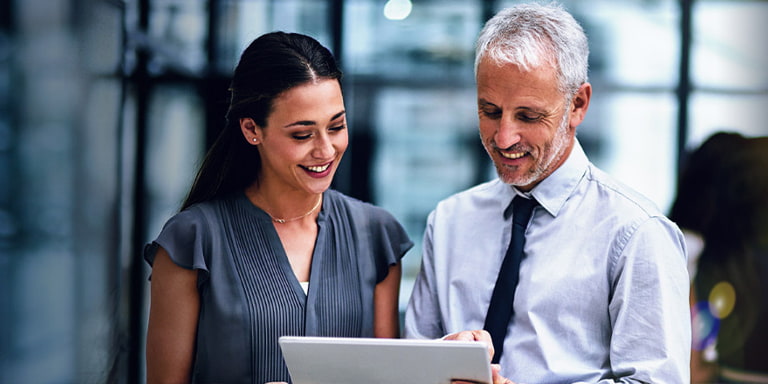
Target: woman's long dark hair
723,195
272,64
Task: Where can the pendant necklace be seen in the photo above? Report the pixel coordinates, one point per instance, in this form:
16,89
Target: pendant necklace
283,221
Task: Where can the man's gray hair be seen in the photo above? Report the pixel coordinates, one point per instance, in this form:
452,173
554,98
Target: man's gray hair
532,35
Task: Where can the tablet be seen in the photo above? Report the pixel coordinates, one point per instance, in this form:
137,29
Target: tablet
333,360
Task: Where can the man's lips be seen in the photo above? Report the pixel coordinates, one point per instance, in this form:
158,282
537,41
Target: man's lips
512,155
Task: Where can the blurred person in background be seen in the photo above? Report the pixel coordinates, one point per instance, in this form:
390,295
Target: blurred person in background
722,206
601,292
262,247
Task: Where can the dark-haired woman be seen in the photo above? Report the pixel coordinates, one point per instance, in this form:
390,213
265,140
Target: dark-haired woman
262,247
722,201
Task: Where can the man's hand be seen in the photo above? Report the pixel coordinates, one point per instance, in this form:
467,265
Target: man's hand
497,378
480,335
484,337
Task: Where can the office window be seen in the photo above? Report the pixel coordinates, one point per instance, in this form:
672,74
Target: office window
729,58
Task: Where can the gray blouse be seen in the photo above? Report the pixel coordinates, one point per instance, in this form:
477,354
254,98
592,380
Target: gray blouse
249,294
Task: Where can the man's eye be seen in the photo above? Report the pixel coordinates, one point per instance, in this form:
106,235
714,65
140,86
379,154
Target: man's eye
528,118
491,114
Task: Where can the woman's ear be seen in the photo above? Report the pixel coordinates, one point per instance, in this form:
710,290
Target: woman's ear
251,131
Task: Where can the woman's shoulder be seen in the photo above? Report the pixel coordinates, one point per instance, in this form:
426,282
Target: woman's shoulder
354,205
199,215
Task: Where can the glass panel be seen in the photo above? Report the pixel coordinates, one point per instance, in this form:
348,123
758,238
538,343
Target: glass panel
729,58
730,45
178,30
435,42
746,114
96,229
58,175
243,21
175,148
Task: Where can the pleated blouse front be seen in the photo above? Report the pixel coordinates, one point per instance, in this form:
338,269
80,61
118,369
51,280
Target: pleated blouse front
250,295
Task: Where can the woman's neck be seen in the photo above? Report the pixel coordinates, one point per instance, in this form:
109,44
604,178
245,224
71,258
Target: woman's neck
284,206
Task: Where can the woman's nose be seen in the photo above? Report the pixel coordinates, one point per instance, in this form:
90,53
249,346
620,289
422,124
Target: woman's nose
323,147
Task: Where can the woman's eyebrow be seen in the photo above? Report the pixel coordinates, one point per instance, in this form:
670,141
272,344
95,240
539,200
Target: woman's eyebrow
304,123
336,116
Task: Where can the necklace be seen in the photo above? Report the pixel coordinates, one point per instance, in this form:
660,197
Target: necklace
283,221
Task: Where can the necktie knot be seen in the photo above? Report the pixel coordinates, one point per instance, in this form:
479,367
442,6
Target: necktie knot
522,209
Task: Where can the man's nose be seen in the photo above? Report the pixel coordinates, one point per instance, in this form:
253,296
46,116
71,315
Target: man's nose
508,133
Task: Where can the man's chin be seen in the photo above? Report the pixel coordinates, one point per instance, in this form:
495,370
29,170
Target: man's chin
516,180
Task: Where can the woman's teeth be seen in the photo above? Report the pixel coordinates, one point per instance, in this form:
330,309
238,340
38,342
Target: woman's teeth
319,168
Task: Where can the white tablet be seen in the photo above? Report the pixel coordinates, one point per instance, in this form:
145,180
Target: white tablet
333,360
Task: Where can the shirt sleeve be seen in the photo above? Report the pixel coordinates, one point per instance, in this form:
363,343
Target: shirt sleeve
649,308
422,316
185,237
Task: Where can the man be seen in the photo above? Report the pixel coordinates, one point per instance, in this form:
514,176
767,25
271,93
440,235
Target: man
602,291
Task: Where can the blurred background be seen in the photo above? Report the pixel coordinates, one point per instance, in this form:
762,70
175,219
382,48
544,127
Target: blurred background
106,107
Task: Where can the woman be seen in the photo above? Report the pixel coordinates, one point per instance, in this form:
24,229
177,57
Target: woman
722,201
262,247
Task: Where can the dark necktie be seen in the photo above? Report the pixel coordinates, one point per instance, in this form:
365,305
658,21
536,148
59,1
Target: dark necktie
500,310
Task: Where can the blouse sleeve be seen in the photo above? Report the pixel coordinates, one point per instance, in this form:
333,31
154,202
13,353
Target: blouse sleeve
185,237
389,240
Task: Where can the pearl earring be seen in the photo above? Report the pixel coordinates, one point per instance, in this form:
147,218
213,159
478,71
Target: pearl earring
255,139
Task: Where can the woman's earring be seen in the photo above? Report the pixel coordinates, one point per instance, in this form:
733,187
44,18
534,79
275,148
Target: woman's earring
255,139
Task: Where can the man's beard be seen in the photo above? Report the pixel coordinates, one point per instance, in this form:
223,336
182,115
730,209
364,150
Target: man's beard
552,154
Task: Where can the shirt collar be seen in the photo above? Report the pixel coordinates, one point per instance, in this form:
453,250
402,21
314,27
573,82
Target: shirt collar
552,192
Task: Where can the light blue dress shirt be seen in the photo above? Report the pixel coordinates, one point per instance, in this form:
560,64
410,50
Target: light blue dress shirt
603,291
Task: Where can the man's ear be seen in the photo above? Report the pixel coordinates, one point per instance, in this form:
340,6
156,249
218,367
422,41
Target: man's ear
251,131
580,104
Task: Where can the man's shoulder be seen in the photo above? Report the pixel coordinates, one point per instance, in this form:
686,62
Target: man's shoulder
486,194
488,189
621,194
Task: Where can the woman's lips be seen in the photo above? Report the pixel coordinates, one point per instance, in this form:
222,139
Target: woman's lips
317,170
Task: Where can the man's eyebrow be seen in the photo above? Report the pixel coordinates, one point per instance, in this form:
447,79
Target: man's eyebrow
305,123
485,103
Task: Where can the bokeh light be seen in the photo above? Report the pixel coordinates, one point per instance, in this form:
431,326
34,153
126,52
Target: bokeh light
397,9
722,299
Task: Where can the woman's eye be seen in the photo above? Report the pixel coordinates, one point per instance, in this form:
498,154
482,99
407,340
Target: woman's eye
302,136
337,128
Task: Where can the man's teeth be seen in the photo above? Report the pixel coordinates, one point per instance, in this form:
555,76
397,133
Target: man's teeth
515,155
319,168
